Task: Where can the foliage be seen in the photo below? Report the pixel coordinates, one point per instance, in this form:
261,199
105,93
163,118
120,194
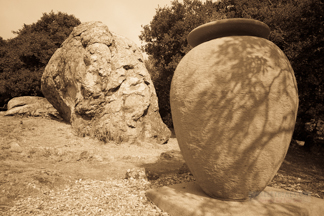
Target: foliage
297,27
24,57
166,43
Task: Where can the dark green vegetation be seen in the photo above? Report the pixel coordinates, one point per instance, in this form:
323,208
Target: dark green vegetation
297,27
24,57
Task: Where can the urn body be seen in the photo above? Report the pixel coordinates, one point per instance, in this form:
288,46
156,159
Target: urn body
234,103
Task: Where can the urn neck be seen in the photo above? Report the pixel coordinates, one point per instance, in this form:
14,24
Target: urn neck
226,28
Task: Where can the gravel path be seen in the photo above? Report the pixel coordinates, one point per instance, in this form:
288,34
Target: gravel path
93,197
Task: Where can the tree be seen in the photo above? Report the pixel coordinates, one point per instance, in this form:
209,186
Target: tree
24,57
305,48
297,27
166,43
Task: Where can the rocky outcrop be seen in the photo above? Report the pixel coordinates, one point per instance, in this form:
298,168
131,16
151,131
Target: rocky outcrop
31,106
98,82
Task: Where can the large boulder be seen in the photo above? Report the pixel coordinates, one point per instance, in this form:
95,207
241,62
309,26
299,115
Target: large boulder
31,106
98,82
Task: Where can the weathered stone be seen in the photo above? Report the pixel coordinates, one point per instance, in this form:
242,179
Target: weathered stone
184,169
136,173
31,106
15,147
188,199
85,155
98,82
167,155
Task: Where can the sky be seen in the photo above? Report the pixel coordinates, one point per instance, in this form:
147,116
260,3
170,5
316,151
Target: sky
123,17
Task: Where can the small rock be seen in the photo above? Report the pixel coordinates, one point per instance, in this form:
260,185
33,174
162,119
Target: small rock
136,174
184,169
167,155
15,147
30,106
152,176
300,143
85,155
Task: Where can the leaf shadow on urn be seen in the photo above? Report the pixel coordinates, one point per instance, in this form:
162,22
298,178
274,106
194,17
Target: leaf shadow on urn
237,118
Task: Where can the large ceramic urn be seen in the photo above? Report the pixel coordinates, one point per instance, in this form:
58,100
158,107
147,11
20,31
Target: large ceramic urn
234,103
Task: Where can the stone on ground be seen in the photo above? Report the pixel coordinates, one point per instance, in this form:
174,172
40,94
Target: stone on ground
30,106
188,199
98,82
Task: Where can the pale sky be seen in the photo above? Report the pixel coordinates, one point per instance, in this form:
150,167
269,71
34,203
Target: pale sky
123,17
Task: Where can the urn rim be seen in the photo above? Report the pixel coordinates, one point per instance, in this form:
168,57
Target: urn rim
228,27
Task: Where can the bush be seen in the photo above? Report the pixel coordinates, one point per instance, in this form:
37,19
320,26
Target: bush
24,57
297,27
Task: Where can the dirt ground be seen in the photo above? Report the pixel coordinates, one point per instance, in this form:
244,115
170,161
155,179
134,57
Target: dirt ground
41,152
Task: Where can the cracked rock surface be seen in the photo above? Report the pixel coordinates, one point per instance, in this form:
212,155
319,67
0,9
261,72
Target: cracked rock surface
98,82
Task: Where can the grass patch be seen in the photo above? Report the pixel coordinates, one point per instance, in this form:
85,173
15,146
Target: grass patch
107,135
104,134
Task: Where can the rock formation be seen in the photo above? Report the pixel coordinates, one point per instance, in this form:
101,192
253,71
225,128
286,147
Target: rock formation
98,82
31,106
